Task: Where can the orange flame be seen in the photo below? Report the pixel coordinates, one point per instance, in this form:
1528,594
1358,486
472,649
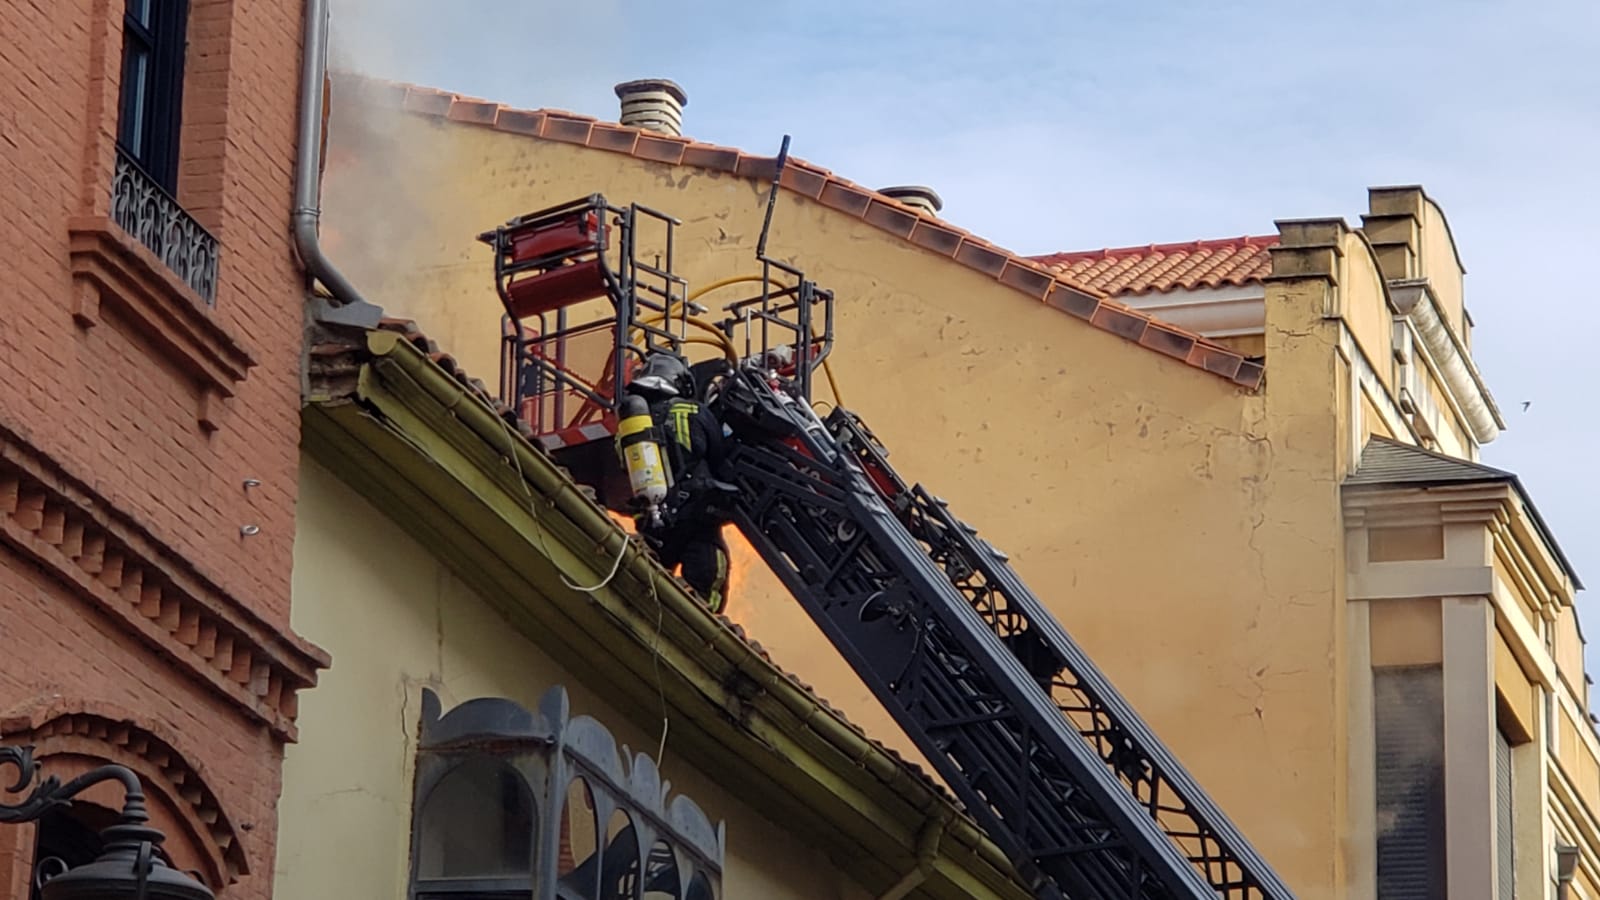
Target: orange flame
743,561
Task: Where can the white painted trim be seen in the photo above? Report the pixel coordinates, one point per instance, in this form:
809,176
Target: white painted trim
1193,296
1468,625
1421,351
1571,813
1372,386
1522,639
1429,578
1211,312
1415,300
1361,787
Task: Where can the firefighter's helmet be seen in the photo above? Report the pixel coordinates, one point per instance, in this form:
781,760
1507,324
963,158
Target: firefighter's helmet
664,374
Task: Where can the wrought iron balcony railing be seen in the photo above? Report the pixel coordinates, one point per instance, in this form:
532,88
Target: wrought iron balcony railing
147,212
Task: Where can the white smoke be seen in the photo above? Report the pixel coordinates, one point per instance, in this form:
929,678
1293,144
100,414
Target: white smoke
520,52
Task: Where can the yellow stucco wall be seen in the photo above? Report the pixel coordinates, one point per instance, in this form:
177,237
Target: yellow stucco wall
1365,307
396,620
1440,265
1185,532
1569,650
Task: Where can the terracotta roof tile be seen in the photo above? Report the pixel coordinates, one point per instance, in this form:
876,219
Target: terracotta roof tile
476,112
1062,283
937,236
710,156
1070,301
520,121
615,138
567,129
1159,268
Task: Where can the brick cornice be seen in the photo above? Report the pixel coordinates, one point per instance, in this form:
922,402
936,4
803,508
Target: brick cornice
146,588
110,267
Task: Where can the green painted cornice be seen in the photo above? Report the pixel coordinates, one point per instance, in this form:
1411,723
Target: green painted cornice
435,457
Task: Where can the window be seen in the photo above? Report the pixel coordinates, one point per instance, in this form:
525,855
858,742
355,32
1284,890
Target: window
492,778
150,109
68,837
1504,833
476,833
62,841
1408,712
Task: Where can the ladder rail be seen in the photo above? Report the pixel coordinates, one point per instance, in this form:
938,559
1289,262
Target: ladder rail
998,741
1123,740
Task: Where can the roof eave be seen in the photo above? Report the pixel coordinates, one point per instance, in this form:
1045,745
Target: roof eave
1490,478
427,451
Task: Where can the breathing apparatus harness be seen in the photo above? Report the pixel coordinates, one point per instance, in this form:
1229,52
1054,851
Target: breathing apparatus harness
669,489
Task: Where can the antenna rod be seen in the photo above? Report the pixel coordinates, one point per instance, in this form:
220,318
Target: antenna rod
772,198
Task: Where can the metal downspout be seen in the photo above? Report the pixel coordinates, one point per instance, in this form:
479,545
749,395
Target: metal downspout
927,852
349,308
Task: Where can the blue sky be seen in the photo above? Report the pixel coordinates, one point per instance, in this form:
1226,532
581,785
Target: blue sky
1072,125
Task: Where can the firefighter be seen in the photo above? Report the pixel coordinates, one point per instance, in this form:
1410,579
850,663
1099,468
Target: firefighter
689,533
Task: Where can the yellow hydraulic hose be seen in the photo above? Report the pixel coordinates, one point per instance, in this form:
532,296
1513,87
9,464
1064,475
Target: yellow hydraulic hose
722,340
833,384
715,285
721,345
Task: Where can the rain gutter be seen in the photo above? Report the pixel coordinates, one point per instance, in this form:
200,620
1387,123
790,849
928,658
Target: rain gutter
601,540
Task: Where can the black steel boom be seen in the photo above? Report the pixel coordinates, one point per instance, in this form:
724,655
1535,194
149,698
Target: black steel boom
1043,752
1040,748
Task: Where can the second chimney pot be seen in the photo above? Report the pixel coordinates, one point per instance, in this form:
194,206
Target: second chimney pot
654,104
919,197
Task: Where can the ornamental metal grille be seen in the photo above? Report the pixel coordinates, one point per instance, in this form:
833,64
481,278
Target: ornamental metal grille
140,207
512,803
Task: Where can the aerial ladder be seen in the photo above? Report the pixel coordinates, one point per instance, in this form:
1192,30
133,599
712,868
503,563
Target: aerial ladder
1041,750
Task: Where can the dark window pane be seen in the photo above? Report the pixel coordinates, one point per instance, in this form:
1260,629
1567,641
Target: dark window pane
1506,873
151,106
700,889
619,861
135,94
63,841
477,822
1408,706
661,881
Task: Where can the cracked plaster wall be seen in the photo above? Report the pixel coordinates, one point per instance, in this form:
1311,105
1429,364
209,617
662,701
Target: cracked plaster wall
396,620
1186,533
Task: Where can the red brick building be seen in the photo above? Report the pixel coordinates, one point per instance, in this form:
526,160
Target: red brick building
150,344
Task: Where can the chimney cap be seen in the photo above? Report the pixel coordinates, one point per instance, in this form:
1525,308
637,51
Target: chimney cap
915,195
642,85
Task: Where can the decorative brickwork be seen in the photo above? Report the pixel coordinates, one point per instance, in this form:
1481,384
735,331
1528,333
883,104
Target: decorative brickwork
76,728
149,426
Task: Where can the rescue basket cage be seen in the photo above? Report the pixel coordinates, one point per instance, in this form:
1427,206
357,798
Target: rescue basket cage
583,310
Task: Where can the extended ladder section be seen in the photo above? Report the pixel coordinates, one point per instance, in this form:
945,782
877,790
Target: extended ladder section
1041,750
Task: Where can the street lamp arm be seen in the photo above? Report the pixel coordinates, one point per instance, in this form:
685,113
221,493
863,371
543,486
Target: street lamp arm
45,796
51,793
130,867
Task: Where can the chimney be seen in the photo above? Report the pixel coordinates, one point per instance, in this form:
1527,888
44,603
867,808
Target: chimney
917,196
654,104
